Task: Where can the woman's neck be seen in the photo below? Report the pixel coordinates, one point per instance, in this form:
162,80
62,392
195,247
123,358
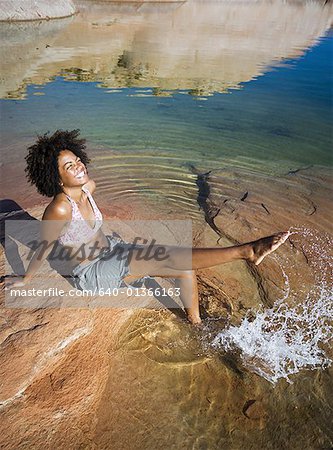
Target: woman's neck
74,193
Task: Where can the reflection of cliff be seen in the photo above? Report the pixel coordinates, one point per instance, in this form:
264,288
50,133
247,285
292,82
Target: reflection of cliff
204,46
23,45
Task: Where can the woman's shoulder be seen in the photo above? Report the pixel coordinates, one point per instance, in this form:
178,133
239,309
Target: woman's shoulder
59,209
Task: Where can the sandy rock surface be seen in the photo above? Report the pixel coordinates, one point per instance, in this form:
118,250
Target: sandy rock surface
12,10
84,377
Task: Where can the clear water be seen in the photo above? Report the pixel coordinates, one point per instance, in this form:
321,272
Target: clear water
284,115
225,89
144,133
244,91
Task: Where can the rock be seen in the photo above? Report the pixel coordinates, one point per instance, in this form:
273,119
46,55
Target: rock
253,409
12,10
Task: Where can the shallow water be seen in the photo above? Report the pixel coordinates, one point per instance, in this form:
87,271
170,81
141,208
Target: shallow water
244,93
284,340
296,332
232,90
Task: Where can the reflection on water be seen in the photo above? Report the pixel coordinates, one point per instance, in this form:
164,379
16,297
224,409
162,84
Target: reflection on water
148,92
123,45
23,46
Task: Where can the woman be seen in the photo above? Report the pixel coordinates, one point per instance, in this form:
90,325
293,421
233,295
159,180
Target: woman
57,166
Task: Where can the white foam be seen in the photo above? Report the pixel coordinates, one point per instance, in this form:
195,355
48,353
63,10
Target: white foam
283,340
287,338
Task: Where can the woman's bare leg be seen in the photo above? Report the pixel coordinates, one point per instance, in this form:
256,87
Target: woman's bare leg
254,252
188,286
189,295
202,258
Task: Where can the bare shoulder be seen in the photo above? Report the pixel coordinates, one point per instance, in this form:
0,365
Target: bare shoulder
58,209
91,186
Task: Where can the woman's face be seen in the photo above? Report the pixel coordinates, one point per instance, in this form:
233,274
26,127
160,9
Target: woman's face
72,171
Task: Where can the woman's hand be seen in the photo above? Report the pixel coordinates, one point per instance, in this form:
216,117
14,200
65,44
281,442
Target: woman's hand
15,281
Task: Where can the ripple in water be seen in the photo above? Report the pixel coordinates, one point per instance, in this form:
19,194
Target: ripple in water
284,339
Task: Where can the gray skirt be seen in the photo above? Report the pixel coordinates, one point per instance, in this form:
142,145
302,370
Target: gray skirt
107,270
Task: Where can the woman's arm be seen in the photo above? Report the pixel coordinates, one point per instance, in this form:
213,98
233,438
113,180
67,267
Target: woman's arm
54,218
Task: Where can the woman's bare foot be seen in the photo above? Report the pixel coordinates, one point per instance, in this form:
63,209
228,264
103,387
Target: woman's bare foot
263,247
194,318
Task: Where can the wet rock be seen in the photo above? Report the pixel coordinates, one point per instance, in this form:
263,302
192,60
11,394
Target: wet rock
253,409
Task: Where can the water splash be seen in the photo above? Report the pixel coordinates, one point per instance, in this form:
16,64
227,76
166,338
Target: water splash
287,338
282,340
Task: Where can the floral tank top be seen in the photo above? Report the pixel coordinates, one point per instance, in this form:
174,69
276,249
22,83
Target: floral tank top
79,231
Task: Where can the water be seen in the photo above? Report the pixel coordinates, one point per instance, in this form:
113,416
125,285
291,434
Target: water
253,115
173,95
244,92
281,341
294,334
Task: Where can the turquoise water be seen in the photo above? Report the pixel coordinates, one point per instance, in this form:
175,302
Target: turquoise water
238,100
283,115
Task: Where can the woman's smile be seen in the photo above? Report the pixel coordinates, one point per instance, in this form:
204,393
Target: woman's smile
81,174
71,169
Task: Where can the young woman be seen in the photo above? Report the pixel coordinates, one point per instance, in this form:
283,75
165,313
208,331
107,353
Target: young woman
57,166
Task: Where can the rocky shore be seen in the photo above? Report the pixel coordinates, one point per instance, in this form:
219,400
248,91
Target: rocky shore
88,377
27,10
12,11
85,377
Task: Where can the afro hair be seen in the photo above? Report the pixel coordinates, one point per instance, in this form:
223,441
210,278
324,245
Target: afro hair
42,159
